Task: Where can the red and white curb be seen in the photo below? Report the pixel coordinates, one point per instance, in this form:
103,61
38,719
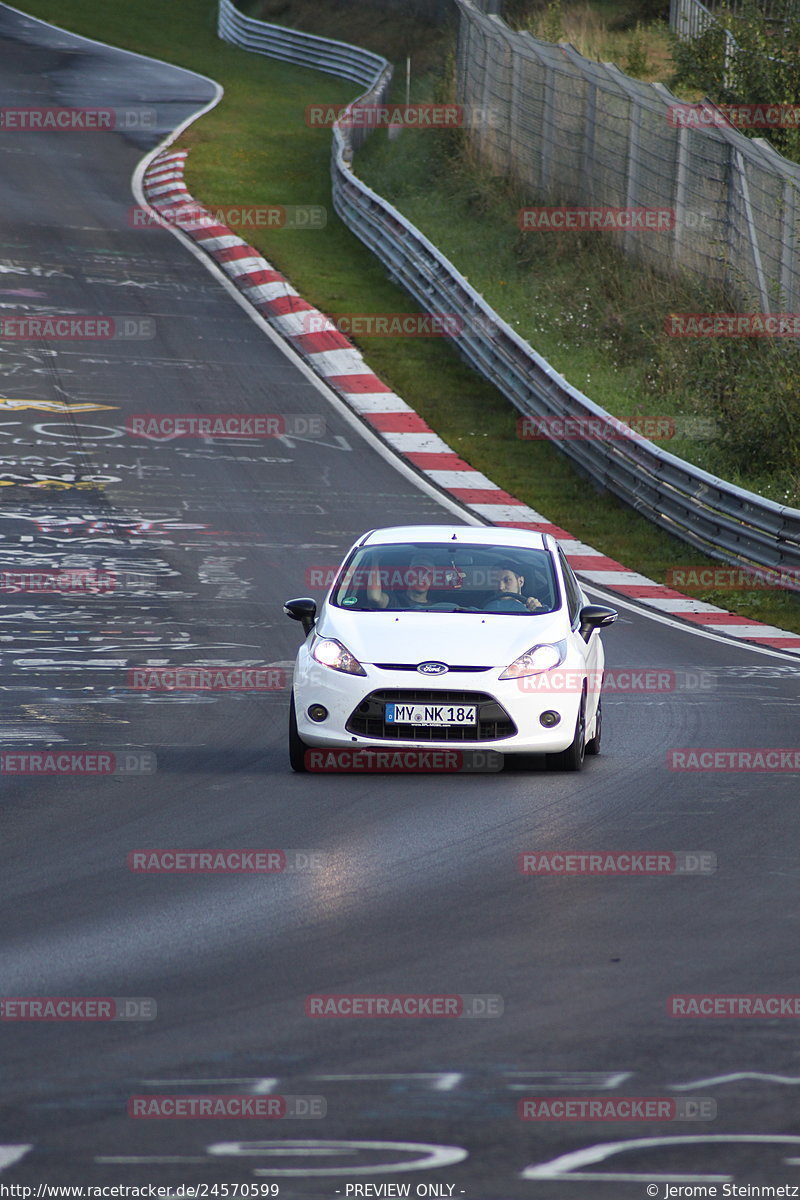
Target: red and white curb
331,355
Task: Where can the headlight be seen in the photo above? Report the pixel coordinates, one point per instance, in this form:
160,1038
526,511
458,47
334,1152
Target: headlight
538,658
333,654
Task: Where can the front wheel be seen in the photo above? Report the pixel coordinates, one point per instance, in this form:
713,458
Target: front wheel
571,759
297,747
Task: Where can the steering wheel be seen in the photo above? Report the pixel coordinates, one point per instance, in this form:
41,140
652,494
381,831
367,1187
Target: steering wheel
500,602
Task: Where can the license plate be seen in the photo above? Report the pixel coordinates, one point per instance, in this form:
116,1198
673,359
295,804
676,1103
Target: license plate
431,714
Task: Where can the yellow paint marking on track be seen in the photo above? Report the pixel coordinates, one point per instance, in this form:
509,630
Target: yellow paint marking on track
53,484
53,406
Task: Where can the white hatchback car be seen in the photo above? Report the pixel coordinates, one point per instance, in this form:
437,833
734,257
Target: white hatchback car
451,636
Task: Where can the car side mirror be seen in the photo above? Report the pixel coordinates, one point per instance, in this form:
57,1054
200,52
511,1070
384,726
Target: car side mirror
304,610
595,616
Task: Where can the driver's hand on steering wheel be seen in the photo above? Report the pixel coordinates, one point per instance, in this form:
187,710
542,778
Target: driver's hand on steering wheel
533,604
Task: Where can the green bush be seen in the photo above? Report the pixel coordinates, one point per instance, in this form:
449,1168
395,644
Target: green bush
765,69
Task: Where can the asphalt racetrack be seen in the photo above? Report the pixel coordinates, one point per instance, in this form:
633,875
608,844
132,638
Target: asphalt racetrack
415,887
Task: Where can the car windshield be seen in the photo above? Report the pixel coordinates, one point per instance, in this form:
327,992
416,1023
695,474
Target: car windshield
433,577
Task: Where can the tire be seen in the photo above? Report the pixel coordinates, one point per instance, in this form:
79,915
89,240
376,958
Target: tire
593,745
571,759
297,747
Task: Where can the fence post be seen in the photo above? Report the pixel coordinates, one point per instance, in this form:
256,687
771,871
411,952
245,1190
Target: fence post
624,84
589,134
548,130
681,178
752,234
515,108
789,247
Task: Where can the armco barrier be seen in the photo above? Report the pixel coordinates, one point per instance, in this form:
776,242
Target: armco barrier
719,518
303,49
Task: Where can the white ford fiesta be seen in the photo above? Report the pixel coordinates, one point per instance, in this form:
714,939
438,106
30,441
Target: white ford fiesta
455,637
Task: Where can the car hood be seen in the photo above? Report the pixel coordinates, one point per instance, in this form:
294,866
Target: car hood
457,639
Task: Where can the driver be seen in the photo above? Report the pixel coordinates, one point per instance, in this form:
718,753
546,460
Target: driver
510,582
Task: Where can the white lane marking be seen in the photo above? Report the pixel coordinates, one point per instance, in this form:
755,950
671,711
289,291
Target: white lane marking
290,440
601,1080
789,1080
23,733
430,1156
445,1081
565,1166
11,1154
147,1158
260,1086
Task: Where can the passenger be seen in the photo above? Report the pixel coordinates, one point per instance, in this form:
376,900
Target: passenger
420,576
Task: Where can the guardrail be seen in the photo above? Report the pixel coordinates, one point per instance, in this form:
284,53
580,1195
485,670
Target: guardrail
724,521
303,49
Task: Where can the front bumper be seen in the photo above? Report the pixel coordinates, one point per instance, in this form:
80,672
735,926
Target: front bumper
508,710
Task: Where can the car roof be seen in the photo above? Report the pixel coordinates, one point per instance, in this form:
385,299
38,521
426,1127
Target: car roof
473,535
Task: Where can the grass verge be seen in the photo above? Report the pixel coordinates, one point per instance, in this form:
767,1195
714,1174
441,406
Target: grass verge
256,149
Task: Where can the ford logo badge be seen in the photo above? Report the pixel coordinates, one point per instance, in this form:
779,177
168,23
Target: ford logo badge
432,668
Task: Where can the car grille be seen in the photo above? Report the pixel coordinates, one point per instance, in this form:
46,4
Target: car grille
493,720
